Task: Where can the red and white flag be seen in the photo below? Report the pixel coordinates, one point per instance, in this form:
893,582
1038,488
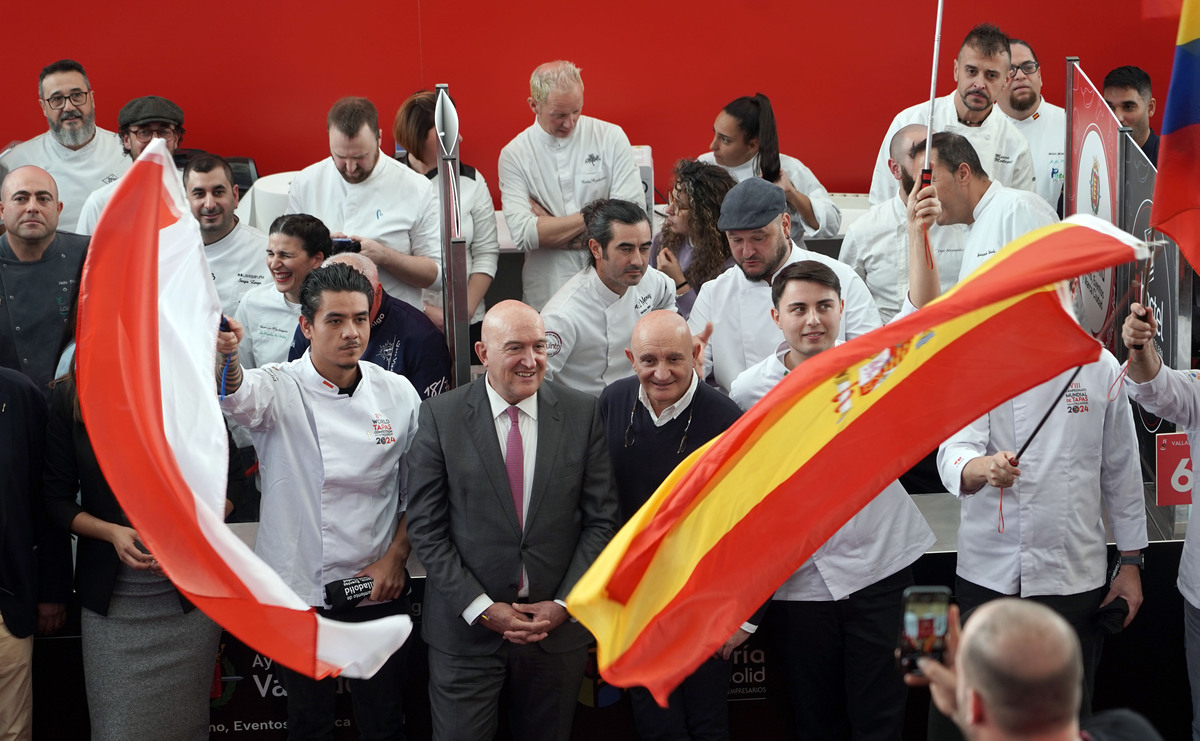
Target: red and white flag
146,337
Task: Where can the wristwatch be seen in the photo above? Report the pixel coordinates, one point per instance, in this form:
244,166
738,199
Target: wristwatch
1139,560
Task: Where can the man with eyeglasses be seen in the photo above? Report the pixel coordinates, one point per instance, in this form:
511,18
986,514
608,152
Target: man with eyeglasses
141,121
653,420
80,156
1043,124
982,70
589,319
832,624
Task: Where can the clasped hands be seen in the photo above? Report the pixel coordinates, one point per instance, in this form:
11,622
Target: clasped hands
522,624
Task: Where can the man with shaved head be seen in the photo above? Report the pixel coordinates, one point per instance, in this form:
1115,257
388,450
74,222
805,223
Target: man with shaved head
1015,674
653,420
876,245
511,499
40,266
403,340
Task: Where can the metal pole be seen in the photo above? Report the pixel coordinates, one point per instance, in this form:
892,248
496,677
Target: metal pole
454,246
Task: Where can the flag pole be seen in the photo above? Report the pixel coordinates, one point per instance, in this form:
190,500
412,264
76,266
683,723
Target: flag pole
926,170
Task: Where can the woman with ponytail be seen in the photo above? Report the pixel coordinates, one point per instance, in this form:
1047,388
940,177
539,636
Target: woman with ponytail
746,143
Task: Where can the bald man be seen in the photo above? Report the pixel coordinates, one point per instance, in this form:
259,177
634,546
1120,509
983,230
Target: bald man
653,420
40,268
876,245
1014,673
511,498
403,340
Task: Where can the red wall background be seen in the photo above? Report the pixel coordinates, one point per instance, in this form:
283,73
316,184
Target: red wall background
257,78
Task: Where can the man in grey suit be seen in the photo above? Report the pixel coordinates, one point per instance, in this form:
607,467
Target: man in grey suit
511,498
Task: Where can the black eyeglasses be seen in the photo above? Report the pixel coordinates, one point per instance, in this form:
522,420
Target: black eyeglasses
629,438
145,135
77,98
1026,67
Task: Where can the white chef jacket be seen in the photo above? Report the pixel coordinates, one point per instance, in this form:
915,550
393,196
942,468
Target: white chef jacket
884,537
829,217
1002,149
588,327
740,310
331,467
876,246
238,262
94,205
1046,132
477,224
563,175
1175,395
1086,454
394,206
77,172
1002,215
269,320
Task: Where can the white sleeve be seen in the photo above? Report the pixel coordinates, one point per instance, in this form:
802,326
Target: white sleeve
626,179
1023,176
425,237
514,201
883,183
964,446
701,311
1121,472
90,214
861,315
829,217
253,405
485,245
246,345
849,253
1173,395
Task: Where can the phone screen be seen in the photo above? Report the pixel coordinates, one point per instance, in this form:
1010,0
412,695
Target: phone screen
923,632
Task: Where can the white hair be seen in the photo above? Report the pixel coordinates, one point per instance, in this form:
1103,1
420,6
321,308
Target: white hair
557,75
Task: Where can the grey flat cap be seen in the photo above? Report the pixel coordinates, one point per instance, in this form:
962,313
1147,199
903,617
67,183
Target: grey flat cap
751,204
147,109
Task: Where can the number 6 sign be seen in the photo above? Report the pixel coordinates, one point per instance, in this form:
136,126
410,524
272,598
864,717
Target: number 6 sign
1172,469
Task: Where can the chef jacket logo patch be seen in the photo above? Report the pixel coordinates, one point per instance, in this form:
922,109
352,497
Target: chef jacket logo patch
1076,399
553,344
592,159
381,430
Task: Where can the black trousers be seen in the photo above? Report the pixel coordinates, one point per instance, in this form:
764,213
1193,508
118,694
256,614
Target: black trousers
838,664
1076,609
378,711
698,709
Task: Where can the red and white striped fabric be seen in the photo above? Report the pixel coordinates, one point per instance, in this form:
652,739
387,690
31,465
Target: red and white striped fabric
147,326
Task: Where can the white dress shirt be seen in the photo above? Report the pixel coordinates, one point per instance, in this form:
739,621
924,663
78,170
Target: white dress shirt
1086,454
394,206
876,246
77,172
331,467
829,217
563,175
527,415
588,327
1046,131
740,310
671,411
1003,151
884,537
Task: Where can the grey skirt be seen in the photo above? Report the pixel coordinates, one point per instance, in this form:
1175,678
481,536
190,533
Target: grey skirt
147,665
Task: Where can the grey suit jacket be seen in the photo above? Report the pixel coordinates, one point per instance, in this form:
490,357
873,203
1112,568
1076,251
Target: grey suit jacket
463,524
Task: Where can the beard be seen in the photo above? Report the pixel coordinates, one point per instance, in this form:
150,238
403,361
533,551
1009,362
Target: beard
906,183
1024,102
74,137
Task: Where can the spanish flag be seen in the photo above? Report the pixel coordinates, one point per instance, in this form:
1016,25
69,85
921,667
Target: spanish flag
147,335
1176,210
740,515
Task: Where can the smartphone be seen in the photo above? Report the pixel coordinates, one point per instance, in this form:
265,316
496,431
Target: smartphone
346,245
923,626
